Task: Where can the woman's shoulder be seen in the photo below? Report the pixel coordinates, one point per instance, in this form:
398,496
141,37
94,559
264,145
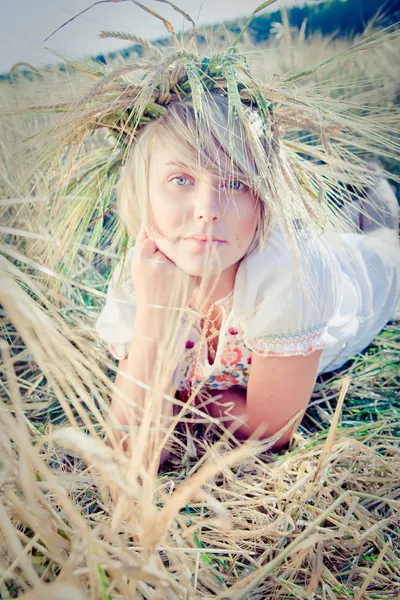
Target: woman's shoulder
121,279
286,293
115,322
283,263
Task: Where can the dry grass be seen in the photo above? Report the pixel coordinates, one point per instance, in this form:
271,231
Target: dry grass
222,520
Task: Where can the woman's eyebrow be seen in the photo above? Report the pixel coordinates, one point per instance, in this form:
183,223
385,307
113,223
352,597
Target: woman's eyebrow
176,163
225,174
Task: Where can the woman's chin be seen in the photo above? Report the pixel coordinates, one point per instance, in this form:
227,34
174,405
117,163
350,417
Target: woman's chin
198,268
197,264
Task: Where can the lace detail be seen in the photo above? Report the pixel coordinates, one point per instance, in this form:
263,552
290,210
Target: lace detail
300,343
208,332
225,303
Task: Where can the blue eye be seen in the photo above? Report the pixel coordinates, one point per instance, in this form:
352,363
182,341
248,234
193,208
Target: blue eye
235,185
180,181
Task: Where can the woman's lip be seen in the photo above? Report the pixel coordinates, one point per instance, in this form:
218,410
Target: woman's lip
203,243
198,239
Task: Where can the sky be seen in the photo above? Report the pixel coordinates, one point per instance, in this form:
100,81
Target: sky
24,24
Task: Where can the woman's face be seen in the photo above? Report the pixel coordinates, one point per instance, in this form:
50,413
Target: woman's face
187,201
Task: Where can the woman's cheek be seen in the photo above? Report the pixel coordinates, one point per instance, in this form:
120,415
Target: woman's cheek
162,216
165,246
248,219
171,211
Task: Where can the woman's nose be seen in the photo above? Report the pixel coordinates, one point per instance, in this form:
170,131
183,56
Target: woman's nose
208,205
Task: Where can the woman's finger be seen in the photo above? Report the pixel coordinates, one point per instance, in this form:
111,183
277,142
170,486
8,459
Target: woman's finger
161,257
148,248
142,235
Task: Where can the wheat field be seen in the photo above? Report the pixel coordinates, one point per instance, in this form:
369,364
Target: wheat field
222,520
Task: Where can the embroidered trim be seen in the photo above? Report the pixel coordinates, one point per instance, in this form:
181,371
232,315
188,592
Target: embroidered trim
300,343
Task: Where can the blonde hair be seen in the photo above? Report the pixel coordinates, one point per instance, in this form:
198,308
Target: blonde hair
218,139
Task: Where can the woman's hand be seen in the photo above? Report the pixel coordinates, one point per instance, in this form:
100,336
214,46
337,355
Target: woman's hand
157,279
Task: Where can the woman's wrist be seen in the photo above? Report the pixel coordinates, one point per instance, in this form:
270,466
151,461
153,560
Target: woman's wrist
151,321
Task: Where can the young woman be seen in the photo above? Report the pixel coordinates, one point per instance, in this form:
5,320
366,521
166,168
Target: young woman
256,315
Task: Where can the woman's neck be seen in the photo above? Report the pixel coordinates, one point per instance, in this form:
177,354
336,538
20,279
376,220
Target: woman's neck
213,289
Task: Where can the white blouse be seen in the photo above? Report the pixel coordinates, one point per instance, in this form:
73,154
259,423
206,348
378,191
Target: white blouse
335,293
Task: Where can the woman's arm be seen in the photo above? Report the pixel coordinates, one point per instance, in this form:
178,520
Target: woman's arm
277,390
160,289
143,364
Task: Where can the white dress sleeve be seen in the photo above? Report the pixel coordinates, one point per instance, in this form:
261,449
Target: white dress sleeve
283,304
116,320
